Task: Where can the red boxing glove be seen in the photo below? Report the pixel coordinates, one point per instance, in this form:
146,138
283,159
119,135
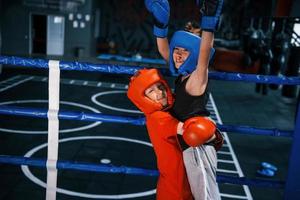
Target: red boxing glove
198,130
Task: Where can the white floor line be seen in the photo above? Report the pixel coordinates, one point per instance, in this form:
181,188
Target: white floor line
224,152
233,196
235,160
227,171
10,79
225,161
16,83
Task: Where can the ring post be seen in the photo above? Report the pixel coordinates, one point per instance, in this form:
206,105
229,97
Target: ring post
292,187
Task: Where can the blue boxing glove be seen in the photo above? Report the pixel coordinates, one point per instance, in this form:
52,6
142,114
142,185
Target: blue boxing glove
211,12
160,11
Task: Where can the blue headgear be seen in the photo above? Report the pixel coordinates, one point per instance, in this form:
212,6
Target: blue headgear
191,42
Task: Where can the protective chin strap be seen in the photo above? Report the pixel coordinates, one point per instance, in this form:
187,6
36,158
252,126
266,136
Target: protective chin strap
142,80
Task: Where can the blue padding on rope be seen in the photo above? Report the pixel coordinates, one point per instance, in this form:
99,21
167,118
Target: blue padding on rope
254,131
250,182
25,62
125,69
65,65
42,113
70,115
78,166
255,78
106,68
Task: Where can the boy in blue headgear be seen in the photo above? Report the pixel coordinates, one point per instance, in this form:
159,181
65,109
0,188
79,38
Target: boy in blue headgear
189,57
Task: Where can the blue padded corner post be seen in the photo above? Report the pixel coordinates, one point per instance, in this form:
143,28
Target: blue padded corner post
292,187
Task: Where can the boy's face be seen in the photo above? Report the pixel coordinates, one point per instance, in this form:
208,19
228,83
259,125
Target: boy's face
179,56
157,92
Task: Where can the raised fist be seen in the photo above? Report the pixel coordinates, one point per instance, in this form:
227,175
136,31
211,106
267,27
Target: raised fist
160,11
211,12
198,130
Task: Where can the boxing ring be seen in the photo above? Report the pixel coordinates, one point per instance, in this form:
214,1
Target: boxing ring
54,114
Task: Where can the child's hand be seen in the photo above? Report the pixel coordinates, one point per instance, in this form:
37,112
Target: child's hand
160,11
198,130
211,12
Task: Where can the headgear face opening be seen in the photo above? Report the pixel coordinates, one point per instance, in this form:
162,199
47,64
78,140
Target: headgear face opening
191,42
142,80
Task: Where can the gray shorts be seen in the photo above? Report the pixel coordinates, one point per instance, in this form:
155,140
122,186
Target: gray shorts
201,165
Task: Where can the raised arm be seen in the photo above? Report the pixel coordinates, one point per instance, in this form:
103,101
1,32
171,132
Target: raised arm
198,81
211,11
160,11
163,47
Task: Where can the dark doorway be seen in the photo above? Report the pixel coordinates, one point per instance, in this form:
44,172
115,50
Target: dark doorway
39,34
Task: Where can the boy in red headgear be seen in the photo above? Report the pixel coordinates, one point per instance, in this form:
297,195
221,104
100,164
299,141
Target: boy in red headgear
151,94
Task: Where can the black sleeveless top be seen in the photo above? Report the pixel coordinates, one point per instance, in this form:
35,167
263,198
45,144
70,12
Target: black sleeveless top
186,105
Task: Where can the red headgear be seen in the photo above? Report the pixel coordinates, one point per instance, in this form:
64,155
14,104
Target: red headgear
142,80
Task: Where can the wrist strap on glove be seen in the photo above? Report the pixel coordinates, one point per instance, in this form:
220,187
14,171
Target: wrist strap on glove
218,141
160,32
211,12
160,11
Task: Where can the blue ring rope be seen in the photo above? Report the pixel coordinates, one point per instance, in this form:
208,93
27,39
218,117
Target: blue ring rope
82,116
126,69
17,160
250,182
